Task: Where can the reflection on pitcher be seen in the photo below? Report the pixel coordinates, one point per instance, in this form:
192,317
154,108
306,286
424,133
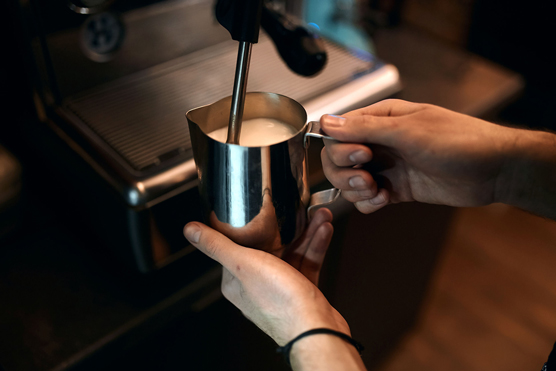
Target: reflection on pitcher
256,194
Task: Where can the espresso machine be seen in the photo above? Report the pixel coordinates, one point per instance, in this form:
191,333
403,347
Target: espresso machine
112,79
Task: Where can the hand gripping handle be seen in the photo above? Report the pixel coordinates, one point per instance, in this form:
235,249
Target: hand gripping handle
328,196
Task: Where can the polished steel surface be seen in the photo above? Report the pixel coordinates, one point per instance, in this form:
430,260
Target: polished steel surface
155,33
315,131
238,96
257,196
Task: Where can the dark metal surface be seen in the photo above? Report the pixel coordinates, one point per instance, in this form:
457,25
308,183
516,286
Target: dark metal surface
65,300
155,32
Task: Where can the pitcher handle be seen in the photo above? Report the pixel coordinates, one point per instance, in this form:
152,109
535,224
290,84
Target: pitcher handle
314,130
328,196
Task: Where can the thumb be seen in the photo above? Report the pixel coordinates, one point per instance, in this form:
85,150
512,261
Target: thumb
362,129
379,123
213,243
389,107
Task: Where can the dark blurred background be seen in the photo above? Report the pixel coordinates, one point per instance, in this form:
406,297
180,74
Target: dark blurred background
515,34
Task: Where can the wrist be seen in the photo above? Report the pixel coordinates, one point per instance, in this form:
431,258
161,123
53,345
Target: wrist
324,352
318,315
510,165
528,175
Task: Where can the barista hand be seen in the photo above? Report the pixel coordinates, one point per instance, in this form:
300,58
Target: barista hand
420,152
282,299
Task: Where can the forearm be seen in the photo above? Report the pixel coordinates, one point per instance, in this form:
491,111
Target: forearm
528,177
324,352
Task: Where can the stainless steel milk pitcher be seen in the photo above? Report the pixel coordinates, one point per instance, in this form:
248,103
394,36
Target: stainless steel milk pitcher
257,196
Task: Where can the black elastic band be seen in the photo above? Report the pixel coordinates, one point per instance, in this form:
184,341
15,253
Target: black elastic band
286,349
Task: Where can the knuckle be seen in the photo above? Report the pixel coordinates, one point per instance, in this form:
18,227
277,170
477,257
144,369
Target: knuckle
212,247
428,106
358,195
336,156
366,194
337,183
350,196
395,122
331,173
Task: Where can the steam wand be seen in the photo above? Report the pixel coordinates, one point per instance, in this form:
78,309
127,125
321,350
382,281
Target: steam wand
242,18
302,50
238,96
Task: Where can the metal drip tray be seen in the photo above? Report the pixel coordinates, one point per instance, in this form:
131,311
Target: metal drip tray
139,124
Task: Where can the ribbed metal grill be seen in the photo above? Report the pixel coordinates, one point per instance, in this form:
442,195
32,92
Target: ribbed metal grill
143,117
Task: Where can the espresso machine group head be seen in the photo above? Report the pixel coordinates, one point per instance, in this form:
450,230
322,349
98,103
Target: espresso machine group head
298,47
301,49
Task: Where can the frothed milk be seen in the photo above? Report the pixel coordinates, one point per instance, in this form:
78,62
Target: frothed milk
258,132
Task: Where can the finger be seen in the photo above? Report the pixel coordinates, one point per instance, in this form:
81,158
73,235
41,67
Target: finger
314,257
388,107
371,205
347,154
360,195
346,178
380,123
321,216
216,246
364,129
295,256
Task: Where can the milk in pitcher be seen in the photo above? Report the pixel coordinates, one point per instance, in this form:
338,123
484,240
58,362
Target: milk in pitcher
258,132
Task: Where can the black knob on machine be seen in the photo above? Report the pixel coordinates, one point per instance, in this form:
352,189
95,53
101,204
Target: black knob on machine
242,18
302,50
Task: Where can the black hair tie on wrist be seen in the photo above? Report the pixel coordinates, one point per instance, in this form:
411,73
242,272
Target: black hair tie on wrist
286,349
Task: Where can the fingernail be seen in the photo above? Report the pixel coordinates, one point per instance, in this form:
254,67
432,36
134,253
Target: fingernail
192,233
359,157
357,182
378,200
333,120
